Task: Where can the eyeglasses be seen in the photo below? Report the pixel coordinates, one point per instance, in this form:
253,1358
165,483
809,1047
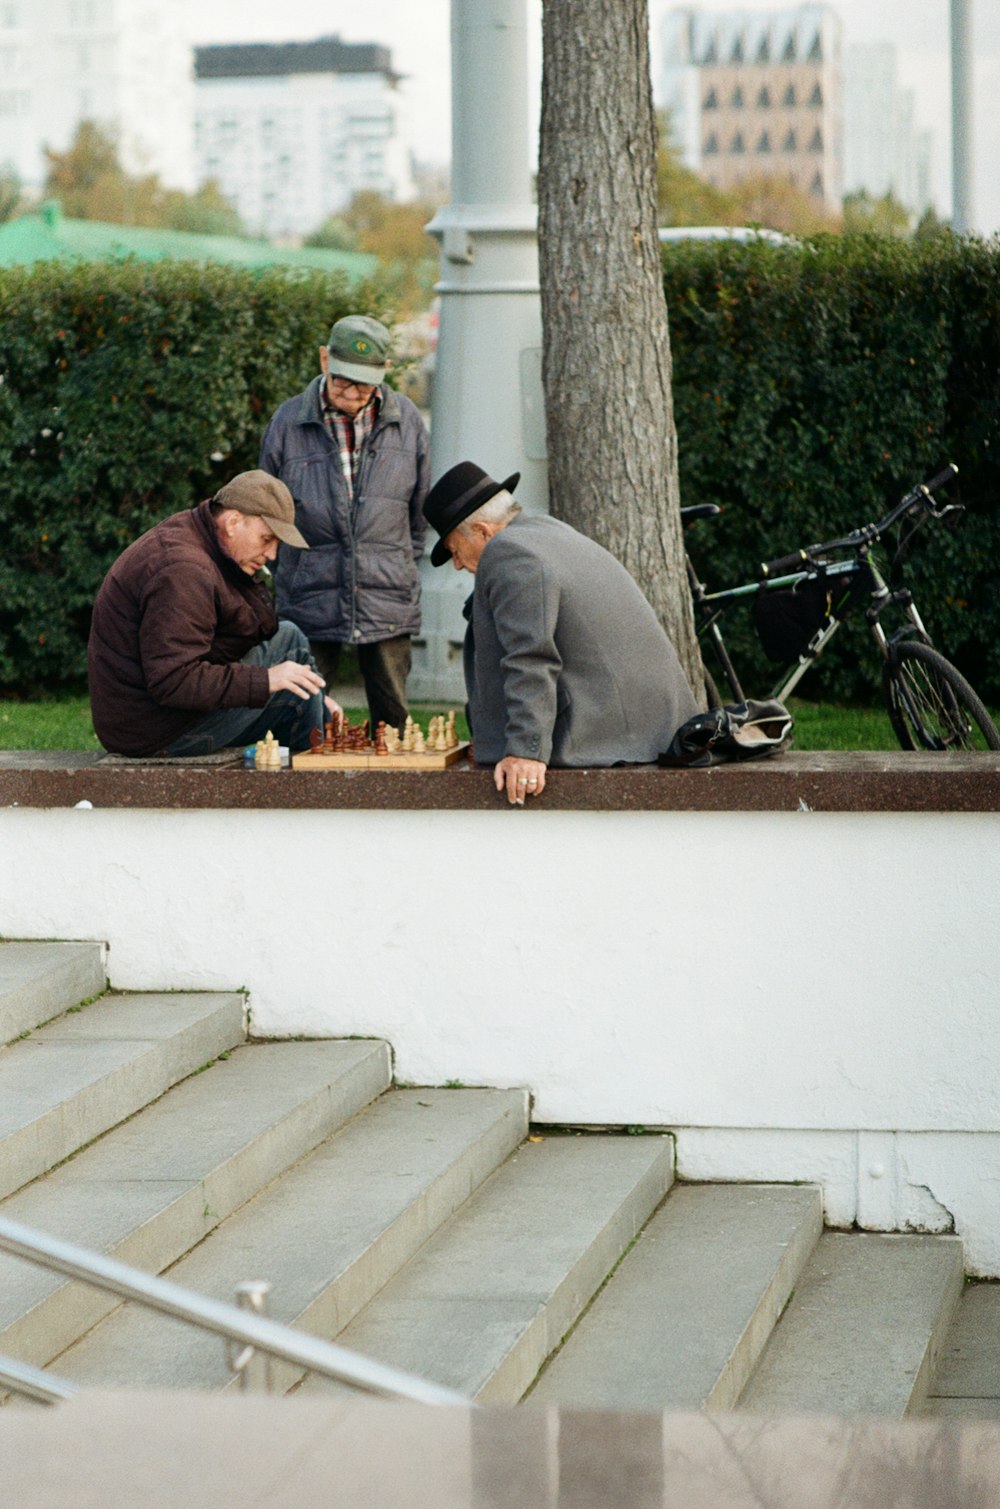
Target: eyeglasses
344,384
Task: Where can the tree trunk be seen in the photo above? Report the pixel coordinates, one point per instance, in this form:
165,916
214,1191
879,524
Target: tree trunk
606,348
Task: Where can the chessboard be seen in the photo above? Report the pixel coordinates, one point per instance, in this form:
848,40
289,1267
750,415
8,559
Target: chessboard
342,747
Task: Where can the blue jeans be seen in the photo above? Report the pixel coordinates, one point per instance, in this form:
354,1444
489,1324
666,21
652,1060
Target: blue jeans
288,717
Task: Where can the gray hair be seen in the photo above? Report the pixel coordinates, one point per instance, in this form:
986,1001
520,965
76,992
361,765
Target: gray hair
499,509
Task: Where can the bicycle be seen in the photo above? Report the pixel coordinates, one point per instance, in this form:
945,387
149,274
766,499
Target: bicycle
801,600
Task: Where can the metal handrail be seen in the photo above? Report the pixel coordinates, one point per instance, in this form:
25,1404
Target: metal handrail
33,1383
269,1336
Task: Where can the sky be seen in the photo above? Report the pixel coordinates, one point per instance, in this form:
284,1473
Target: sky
417,32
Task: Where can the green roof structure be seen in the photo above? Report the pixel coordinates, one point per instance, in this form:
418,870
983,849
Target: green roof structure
49,236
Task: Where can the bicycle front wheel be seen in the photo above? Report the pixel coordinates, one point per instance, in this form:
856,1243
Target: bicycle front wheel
931,705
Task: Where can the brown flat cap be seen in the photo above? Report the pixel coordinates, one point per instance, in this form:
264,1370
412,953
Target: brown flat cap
259,493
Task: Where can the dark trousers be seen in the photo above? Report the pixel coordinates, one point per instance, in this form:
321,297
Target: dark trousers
384,667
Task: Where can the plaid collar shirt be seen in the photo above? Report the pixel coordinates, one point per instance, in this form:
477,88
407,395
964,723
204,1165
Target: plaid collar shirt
347,434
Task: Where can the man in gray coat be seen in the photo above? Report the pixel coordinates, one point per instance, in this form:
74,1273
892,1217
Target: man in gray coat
356,458
565,661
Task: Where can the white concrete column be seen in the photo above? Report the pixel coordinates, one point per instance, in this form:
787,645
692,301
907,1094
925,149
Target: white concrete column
962,178
487,403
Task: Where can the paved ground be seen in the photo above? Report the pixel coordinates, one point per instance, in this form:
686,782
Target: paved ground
967,1384
172,1450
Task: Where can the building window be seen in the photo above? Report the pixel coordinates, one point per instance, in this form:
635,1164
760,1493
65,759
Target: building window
736,56
789,96
764,145
788,52
816,144
764,99
738,144
816,187
764,50
737,99
711,145
816,98
711,101
816,50
790,143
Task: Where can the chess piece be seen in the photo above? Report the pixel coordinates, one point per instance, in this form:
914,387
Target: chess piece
315,740
268,755
440,742
381,747
407,741
419,747
452,735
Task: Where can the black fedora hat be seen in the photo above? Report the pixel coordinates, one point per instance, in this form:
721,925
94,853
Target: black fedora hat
454,496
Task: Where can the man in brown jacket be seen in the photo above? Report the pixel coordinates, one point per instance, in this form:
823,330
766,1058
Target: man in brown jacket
186,653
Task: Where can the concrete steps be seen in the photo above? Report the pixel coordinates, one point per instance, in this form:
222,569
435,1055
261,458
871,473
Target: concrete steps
72,1079
40,980
864,1328
685,1318
966,1384
153,1188
327,1235
421,1228
490,1296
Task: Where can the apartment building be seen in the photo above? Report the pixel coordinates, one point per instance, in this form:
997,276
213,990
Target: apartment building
884,151
757,94
293,130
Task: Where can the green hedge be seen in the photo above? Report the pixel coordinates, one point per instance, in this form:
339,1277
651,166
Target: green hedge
128,392
813,386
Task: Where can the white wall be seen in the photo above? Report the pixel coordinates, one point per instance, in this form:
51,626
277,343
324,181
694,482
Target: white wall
801,996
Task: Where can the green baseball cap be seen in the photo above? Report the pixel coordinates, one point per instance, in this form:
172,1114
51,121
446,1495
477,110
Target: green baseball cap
359,349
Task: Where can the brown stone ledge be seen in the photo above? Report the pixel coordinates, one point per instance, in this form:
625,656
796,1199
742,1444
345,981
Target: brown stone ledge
819,782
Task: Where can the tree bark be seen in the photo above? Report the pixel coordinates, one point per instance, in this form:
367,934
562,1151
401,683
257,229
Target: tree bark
606,347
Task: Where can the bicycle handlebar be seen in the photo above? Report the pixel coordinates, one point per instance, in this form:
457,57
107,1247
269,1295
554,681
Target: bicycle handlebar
810,554
948,475
785,563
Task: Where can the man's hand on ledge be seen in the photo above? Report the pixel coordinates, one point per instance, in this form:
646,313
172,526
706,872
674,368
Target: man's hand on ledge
290,676
520,778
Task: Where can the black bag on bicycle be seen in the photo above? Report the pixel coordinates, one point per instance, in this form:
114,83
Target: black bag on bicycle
786,619
741,731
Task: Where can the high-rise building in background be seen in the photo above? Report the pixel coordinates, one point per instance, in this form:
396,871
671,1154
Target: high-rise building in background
757,94
779,94
123,63
883,150
292,130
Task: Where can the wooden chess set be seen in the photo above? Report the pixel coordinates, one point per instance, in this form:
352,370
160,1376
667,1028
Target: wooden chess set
341,746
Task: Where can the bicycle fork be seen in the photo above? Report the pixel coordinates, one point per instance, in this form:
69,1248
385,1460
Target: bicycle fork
902,598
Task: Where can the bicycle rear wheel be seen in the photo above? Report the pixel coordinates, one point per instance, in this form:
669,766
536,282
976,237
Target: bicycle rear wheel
931,705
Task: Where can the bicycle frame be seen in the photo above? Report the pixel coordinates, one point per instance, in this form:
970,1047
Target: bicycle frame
860,572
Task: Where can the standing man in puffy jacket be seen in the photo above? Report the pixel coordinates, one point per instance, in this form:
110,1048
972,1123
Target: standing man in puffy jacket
356,456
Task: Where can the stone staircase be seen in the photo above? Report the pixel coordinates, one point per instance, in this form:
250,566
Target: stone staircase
426,1228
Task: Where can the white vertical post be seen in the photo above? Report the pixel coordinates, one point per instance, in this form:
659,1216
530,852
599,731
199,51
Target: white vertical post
487,401
962,177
